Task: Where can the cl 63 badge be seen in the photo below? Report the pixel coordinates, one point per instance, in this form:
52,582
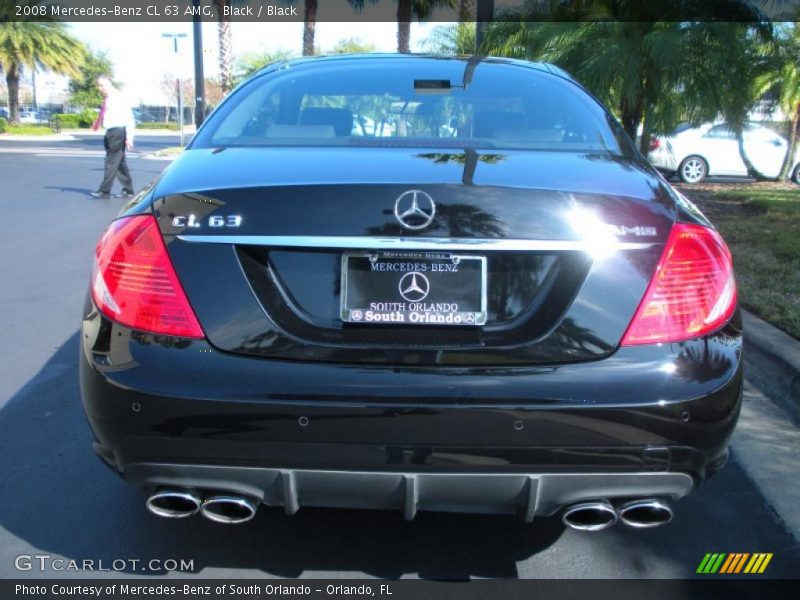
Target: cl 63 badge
212,221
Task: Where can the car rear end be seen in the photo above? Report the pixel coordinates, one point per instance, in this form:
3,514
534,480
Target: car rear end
487,312
662,155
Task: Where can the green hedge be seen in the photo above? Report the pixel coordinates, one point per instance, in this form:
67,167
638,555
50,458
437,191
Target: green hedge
82,120
3,125
69,121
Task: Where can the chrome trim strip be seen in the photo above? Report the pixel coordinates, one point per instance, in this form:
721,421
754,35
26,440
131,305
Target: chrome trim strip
400,243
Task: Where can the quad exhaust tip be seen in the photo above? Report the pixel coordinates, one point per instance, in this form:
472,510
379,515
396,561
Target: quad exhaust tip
229,509
174,504
590,516
642,514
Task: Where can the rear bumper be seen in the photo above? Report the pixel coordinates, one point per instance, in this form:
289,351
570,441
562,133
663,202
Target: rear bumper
652,420
663,159
526,495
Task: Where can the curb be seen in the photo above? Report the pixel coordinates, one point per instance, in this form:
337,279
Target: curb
777,346
137,133
157,156
56,137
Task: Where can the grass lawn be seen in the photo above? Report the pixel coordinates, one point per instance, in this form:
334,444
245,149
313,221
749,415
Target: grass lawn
28,130
761,223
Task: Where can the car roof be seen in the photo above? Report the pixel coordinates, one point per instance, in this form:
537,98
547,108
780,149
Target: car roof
410,58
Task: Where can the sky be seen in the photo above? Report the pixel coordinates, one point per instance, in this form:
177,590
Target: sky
142,57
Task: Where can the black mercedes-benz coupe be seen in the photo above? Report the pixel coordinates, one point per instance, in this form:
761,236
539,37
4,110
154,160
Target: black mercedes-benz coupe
412,283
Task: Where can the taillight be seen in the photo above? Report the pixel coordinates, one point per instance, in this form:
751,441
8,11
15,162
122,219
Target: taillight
134,283
692,293
655,144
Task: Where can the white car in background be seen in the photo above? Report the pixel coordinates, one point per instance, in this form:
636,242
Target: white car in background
694,153
30,117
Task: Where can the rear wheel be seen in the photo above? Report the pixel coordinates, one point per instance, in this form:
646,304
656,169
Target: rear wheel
693,169
796,175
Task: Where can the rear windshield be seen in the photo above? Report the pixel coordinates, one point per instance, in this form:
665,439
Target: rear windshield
424,103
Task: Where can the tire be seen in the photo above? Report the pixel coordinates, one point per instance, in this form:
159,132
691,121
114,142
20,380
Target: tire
796,175
693,169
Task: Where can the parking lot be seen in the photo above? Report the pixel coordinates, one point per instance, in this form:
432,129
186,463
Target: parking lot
57,499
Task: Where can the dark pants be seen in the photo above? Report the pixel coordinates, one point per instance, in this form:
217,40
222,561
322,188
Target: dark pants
116,166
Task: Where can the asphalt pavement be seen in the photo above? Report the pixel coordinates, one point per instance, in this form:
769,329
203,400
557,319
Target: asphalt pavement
57,499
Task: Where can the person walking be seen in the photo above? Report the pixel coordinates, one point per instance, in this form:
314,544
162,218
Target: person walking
116,117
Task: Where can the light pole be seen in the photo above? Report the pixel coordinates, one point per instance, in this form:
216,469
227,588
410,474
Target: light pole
199,79
178,84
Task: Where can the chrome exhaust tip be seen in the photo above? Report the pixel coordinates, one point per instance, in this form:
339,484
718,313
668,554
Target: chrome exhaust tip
173,504
590,516
646,513
229,509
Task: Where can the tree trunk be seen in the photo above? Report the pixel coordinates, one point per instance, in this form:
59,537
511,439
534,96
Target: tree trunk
466,11
470,164
404,26
225,60
647,135
751,169
644,142
12,81
788,161
309,27
631,116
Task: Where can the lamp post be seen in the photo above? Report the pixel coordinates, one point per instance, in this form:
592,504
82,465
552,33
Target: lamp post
174,37
199,79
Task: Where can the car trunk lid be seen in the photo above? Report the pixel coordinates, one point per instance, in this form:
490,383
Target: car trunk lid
569,242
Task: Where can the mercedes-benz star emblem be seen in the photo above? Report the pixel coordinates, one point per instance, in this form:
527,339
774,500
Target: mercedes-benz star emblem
414,287
414,209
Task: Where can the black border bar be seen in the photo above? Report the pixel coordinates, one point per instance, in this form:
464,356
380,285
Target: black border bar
286,11
363,589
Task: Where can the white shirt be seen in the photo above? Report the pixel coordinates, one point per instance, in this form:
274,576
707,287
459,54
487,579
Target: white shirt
118,113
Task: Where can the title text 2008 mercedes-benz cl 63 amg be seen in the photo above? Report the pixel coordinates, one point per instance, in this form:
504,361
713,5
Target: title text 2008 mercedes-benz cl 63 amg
412,283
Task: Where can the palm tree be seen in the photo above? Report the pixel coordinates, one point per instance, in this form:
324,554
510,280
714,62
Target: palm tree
310,22
224,36
309,27
623,63
467,10
466,29
414,9
652,69
458,39
752,59
782,77
45,45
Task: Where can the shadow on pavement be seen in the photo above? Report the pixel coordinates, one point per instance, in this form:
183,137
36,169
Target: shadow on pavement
59,499
85,191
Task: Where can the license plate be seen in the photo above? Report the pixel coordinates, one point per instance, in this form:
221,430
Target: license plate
413,289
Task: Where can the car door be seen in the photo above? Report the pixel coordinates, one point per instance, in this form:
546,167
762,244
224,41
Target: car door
766,150
721,150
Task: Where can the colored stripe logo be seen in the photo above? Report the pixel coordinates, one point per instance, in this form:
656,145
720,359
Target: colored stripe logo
734,562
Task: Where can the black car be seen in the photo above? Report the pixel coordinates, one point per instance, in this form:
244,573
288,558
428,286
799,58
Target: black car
412,283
